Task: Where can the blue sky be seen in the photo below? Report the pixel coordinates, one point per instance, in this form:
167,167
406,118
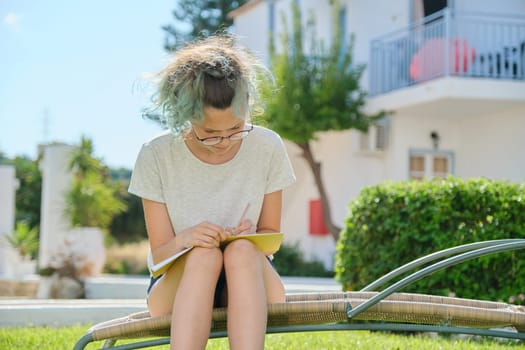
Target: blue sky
72,68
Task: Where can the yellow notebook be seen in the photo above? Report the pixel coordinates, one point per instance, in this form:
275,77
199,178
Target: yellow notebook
268,243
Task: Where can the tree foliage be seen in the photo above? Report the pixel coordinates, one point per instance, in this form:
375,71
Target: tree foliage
92,199
317,90
82,161
125,226
129,225
196,18
29,189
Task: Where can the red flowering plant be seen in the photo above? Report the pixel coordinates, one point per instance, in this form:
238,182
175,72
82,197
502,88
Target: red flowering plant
517,300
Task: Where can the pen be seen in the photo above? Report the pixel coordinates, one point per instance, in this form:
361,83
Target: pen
244,213
234,231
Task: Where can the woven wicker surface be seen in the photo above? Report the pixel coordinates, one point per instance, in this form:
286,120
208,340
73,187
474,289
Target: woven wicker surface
326,308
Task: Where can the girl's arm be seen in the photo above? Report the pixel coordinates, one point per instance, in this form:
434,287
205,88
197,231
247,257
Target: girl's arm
161,235
164,242
270,219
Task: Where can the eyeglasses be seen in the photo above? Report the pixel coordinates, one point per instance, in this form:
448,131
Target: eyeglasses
215,140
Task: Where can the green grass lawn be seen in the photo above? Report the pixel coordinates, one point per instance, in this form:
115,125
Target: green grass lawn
46,338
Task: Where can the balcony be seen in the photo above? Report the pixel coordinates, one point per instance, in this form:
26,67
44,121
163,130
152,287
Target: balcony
432,59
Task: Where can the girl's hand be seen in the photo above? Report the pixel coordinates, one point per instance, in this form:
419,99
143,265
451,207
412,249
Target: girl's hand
205,235
246,227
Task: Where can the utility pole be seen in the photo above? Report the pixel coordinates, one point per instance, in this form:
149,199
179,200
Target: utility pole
46,121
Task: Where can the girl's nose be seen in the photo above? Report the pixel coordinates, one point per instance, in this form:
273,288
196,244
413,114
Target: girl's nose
225,139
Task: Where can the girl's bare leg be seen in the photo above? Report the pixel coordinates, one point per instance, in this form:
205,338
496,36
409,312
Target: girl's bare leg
251,285
187,290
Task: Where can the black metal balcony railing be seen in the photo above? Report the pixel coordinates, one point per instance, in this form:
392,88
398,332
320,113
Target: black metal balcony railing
449,44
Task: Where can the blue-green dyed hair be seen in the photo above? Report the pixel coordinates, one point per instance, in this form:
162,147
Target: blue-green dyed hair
211,72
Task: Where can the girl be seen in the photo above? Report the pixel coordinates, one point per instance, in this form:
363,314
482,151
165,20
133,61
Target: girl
196,180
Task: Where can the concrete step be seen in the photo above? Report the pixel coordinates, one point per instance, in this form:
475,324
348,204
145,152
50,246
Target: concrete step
116,287
64,312
110,297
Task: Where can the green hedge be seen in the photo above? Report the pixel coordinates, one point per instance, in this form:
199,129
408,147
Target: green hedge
393,223
289,261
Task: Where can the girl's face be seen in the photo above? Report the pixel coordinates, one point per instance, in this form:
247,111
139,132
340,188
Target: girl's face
218,123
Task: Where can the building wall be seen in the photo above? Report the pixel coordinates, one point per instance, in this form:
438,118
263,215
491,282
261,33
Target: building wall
345,169
492,146
482,131
492,7
478,150
56,179
371,19
412,132
345,172
252,29
8,187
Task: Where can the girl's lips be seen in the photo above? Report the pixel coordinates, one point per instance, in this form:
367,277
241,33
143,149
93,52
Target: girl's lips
222,149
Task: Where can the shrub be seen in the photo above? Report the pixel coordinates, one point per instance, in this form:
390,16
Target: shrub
129,225
129,258
395,222
25,240
289,261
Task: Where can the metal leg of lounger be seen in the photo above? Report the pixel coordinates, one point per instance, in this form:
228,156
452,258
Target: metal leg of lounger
109,343
218,334
142,344
82,342
398,327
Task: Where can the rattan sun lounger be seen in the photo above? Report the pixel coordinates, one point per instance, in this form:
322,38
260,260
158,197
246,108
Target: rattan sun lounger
366,309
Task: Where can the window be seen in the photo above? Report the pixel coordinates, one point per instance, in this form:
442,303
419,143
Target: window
376,138
432,6
430,164
425,8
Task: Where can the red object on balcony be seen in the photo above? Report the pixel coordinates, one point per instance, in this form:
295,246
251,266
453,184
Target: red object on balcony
317,224
429,61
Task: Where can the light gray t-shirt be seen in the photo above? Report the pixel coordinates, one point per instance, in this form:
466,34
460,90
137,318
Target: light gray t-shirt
194,191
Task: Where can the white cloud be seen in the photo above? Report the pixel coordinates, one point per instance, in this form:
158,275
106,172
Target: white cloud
12,20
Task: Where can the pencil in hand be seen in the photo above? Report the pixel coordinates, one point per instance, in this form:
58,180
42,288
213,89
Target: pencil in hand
234,231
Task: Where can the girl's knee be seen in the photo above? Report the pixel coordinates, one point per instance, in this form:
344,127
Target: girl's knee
204,258
241,251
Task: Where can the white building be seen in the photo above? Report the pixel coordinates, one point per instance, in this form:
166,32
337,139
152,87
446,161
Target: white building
453,74
8,186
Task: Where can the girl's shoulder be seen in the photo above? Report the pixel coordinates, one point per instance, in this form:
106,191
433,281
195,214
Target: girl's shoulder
164,140
265,135
160,139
